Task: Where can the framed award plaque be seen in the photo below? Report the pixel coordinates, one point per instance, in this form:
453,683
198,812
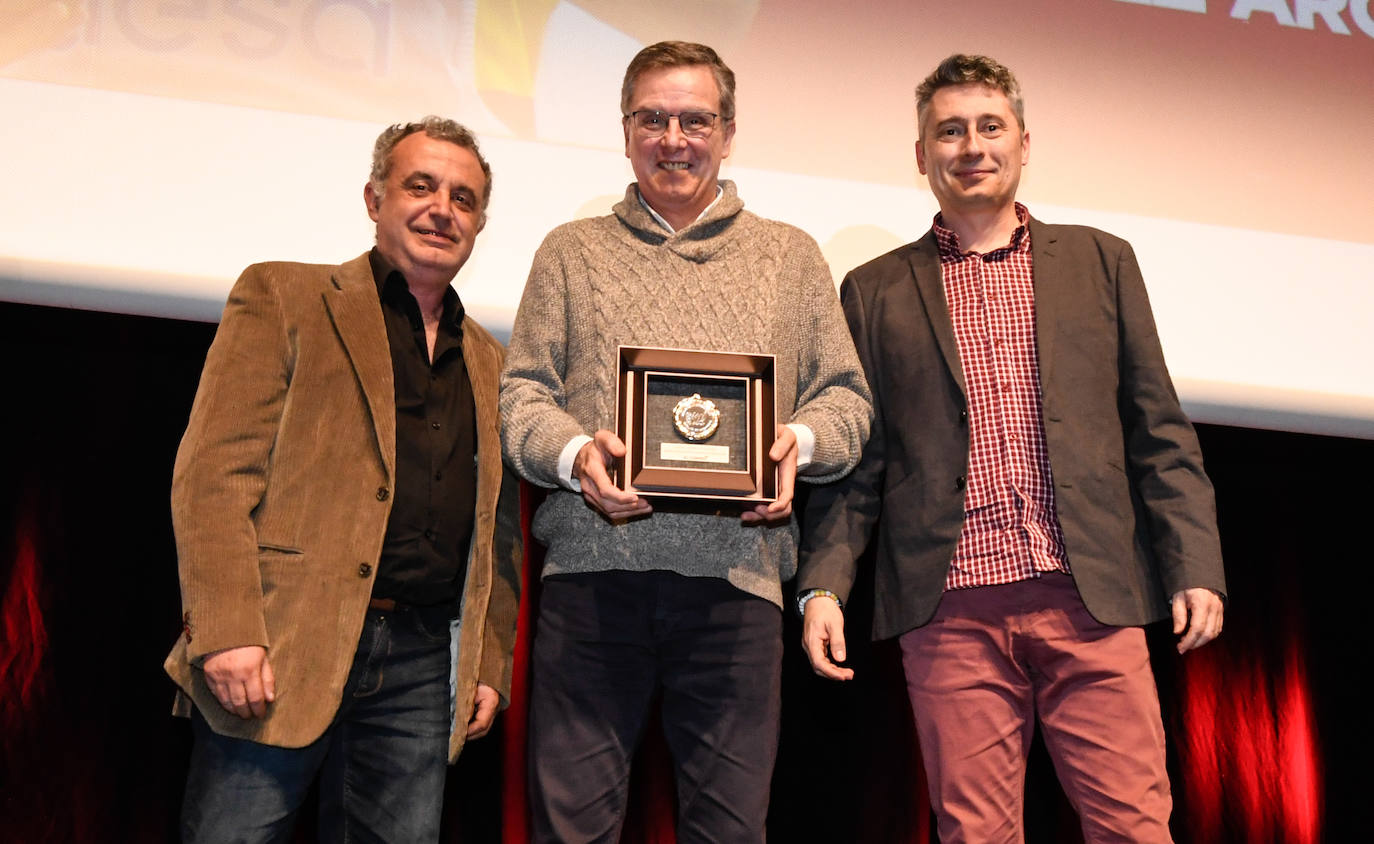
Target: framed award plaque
696,425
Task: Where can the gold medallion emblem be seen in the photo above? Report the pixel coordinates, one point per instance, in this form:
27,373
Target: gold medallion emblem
696,418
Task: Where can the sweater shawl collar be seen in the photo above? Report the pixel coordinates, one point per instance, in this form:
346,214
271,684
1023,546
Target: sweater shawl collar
698,242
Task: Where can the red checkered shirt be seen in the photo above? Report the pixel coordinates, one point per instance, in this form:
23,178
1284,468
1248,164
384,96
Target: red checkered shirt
1011,529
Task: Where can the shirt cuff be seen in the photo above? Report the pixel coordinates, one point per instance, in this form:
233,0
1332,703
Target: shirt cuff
567,457
806,442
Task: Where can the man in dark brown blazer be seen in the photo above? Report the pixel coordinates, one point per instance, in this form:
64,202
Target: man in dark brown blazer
348,541
1036,490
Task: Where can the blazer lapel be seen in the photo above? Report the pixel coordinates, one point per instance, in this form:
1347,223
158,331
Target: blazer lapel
925,266
1049,304
484,374
354,307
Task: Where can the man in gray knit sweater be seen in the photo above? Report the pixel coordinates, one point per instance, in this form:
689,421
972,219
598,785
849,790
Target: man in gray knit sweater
686,605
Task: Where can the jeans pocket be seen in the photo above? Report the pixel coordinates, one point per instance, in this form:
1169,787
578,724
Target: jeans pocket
432,623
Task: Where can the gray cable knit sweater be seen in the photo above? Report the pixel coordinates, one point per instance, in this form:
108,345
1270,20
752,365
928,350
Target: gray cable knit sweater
732,281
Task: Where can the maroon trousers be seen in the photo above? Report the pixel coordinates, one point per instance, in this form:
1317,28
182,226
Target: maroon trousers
995,659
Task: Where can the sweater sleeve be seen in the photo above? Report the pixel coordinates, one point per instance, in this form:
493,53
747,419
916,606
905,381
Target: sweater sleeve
833,398
535,425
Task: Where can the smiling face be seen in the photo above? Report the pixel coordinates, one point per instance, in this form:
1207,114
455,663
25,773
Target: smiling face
972,150
677,174
429,212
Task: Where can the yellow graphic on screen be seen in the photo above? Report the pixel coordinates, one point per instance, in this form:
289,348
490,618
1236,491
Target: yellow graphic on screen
506,58
510,35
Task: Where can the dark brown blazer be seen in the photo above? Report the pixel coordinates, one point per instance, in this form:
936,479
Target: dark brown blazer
1137,509
282,489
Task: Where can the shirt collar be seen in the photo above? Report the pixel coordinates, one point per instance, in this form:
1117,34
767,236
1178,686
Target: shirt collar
392,287
949,241
662,222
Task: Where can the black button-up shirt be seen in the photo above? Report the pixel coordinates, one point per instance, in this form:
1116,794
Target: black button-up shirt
424,554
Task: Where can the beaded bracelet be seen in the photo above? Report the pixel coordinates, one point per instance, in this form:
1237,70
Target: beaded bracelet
814,593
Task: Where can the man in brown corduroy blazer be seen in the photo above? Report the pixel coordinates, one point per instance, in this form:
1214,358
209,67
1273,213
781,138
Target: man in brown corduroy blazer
348,542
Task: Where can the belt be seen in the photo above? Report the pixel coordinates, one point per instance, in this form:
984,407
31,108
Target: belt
432,613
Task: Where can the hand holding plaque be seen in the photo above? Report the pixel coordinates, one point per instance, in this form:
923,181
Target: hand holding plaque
591,467
784,454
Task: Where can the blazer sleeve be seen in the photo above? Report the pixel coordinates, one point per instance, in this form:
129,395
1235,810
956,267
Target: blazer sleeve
503,608
220,473
1165,460
839,518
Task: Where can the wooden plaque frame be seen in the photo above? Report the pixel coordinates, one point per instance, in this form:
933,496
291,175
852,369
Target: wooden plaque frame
756,482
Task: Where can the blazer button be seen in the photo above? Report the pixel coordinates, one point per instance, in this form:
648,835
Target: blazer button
364,569
383,493
963,417
960,482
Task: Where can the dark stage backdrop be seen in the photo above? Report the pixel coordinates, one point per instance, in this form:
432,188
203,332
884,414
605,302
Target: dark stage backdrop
95,405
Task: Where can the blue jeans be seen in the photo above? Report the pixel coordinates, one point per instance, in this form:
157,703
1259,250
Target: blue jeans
381,762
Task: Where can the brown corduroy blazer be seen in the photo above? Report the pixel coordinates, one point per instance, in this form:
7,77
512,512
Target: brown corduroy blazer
282,490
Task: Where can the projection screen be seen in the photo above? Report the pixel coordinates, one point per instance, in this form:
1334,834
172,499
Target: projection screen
156,147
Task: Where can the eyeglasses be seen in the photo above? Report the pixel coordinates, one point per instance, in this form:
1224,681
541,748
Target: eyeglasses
693,124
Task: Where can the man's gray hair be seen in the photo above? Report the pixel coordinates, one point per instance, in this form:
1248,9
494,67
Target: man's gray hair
438,128
680,54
